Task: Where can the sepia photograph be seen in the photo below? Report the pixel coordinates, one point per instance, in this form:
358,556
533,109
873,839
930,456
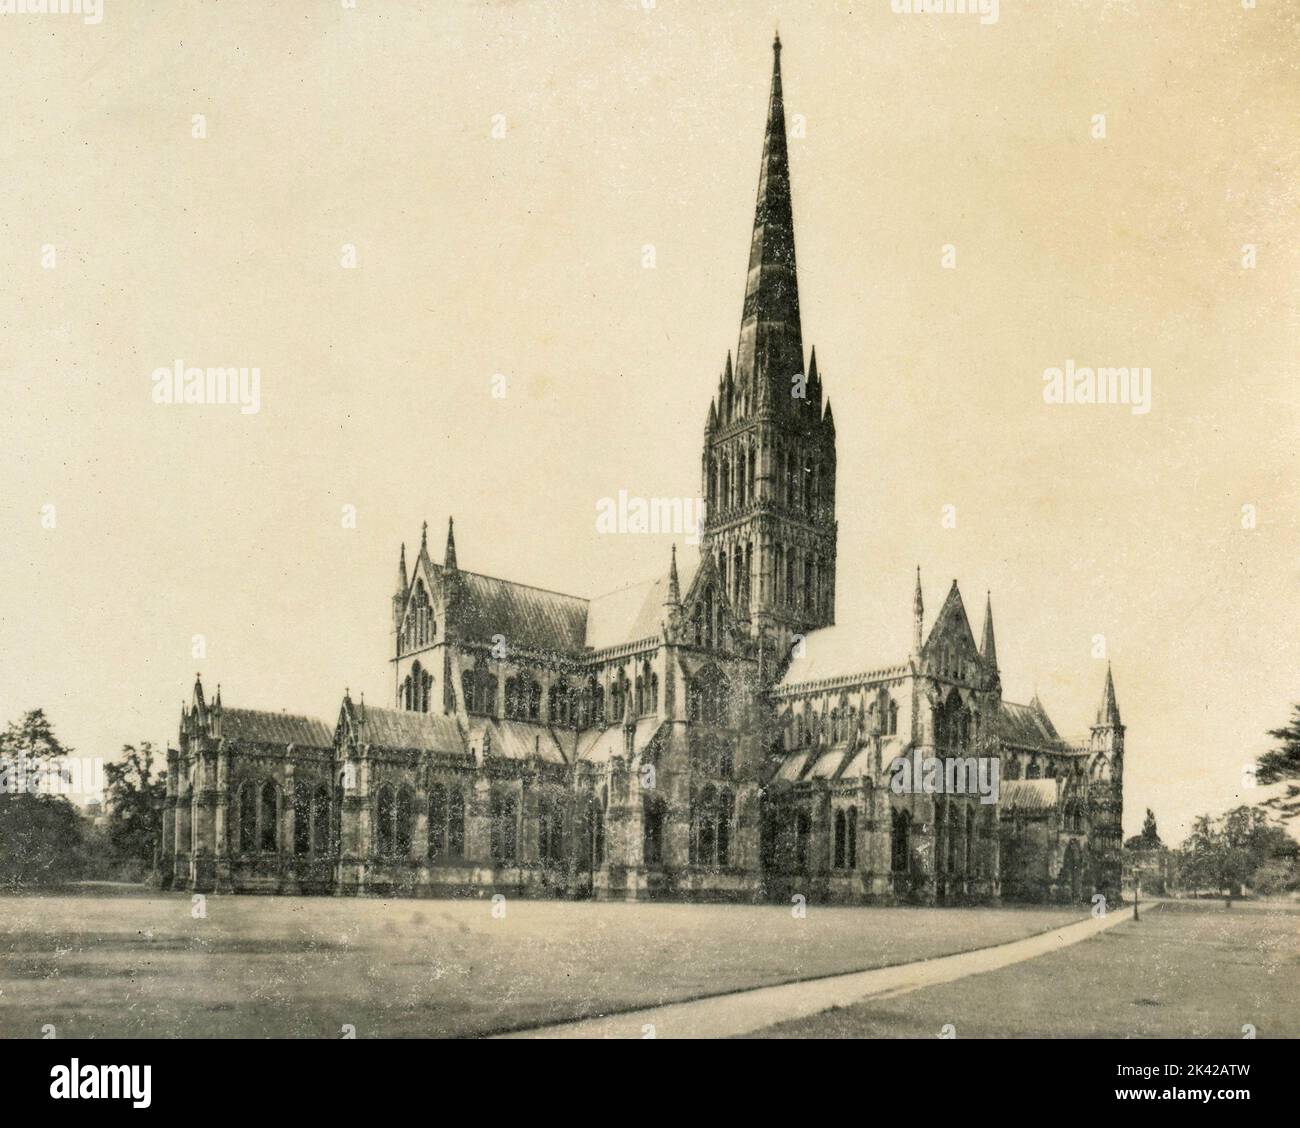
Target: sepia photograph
650,519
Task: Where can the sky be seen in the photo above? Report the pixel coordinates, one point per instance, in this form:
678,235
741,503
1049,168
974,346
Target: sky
501,169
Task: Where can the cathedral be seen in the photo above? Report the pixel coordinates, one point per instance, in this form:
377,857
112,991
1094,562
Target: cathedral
710,733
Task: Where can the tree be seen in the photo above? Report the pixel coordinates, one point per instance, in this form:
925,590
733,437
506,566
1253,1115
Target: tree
42,840
1282,762
40,834
1150,837
29,752
1224,854
134,798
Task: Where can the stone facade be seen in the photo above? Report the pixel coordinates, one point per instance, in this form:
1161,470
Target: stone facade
710,733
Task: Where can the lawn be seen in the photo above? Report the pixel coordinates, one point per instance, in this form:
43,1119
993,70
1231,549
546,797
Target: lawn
141,966
1186,970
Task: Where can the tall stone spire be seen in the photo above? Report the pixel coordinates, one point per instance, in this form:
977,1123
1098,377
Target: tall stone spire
988,648
771,341
918,615
449,556
1108,714
402,582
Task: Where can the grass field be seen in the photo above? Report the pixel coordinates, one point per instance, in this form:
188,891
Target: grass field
140,966
1186,970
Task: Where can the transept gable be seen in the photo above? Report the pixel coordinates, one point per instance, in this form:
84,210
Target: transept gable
950,649
707,612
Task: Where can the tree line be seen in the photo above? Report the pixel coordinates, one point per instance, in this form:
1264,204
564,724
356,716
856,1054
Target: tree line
46,839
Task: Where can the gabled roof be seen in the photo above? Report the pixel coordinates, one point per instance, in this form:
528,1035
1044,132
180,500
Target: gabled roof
524,616
1025,726
843,650
397,729
253,726
518,740
1028,795
599,746
633,612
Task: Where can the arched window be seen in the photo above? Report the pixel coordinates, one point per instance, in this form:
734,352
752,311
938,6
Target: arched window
593,831
598,704
419,690
652,837
534,700
320,820
402,838
802,834
851,851
385,807
437,820
840,844
941,835
892,718
707,815
270,829
900,842
778,575
550,828
726,812
247,817
955,826
455,823
301,818
469,687
971,831
654,693
504,828
708,698
749,478
791,571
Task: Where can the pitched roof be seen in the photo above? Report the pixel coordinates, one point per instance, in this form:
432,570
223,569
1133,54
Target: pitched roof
633,612
253,726
1028,795
1026,726
844,649
398,729
525,616
598,746
519,740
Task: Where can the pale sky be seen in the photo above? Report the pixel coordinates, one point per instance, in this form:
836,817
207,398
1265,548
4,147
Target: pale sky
523,255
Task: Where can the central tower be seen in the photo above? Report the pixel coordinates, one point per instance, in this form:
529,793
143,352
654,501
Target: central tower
769,445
